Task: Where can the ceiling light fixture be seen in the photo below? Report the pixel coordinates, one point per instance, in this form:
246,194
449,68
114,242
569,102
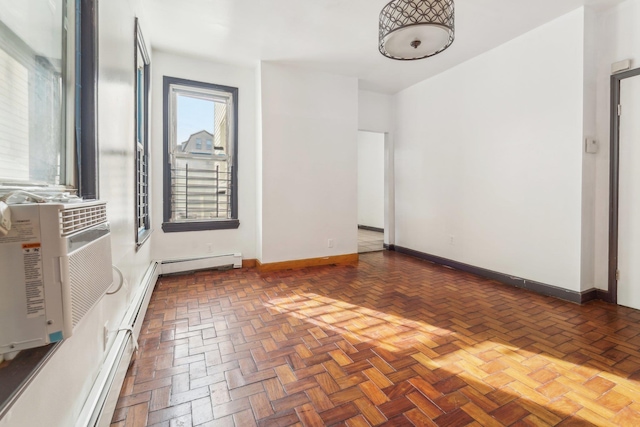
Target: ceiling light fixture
416,29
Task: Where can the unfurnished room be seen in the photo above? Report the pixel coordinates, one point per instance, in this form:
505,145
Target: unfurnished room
325,213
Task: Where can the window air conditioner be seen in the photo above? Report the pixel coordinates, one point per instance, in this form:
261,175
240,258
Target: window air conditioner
55,264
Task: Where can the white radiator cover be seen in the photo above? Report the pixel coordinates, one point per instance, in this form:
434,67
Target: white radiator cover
201,263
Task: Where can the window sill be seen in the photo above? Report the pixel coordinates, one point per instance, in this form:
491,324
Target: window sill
142,238
17,374
177,227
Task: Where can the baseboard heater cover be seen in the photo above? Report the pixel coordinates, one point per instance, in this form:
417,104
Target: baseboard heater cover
101,403
182,265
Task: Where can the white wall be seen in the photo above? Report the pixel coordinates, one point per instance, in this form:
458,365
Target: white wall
619,39
589,159
259,161
371,179
375,111
309,157
243,239
489,158
58,392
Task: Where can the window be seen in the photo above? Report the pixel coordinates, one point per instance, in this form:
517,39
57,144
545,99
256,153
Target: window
198,144
48,77
142,140
32,95
209,145
200,187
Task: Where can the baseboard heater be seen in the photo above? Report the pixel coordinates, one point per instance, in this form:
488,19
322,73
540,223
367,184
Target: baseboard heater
201,263
101,403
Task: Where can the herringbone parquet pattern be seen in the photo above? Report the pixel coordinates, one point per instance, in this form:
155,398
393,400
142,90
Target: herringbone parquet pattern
394,341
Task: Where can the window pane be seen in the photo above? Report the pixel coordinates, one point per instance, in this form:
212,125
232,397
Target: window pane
193,115
31,91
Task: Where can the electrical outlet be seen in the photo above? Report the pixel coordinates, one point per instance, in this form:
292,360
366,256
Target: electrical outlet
451,240
590,146
330,243
209,247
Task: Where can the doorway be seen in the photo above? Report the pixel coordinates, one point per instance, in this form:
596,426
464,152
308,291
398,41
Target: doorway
624,227
371,191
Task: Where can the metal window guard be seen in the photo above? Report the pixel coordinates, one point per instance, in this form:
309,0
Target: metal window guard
201,194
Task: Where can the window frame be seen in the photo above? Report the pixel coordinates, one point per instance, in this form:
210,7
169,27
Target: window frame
79,165
85,133
142,210
215,224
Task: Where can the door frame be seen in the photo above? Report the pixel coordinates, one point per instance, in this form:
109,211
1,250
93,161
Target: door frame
614,181
389,188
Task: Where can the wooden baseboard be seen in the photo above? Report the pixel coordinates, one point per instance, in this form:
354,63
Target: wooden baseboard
588,295
507,279
309,262
605,296
248,263
367,227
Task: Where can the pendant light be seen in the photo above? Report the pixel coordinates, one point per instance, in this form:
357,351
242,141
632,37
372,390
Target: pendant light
416,29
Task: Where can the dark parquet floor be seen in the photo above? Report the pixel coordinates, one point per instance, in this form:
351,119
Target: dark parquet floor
393,341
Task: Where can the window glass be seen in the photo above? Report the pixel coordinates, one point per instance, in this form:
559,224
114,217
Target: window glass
32,147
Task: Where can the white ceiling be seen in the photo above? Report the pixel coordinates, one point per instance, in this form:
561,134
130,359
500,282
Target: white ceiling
337,36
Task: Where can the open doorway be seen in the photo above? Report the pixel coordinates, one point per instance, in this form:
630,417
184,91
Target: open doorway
371,191
624,226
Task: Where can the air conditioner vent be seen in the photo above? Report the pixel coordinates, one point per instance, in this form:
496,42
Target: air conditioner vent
74,219
89,277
